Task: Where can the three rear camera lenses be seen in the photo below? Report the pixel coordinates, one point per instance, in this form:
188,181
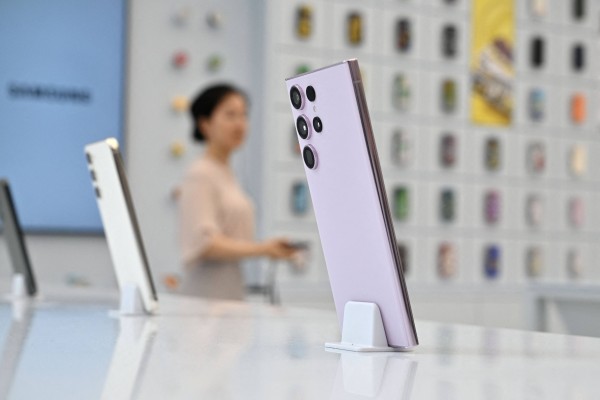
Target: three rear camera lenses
303,125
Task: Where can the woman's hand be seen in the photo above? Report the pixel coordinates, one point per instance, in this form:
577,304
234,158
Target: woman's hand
279,248
223,248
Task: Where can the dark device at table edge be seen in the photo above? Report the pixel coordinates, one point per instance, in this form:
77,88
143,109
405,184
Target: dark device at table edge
15,241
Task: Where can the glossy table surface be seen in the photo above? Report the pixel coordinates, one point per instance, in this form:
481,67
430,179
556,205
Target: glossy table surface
195,349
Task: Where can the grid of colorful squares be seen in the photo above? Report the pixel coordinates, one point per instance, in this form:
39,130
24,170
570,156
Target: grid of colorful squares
525,188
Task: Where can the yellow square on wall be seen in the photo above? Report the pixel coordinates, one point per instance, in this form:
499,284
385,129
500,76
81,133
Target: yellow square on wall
492,62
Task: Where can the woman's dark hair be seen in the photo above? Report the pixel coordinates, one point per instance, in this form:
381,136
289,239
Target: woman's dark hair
205,103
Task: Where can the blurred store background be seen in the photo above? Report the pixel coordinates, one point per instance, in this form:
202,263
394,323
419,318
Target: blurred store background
484,113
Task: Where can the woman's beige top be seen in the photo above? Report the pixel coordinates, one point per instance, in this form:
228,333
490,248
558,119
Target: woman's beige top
211,202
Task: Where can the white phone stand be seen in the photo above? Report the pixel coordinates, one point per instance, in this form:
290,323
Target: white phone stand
18,288
362,329
130,303
18,292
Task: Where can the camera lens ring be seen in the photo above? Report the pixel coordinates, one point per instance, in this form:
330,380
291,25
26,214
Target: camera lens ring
297,97
311,95
303,127
317,124
309,155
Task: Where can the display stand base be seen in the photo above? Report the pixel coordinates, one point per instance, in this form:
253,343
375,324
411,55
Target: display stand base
18,289
362,329
130,303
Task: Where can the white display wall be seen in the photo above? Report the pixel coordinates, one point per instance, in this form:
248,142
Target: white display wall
176,49
561,245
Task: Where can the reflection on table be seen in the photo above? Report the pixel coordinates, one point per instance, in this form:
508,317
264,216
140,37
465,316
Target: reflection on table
228,350
374,376
19,320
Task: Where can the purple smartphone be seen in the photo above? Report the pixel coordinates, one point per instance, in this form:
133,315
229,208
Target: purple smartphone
349,197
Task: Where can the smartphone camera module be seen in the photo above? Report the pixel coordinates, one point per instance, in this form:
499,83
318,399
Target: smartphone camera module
296,97
303,127
310,156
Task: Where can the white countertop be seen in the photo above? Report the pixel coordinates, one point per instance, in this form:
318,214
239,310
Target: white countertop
196,349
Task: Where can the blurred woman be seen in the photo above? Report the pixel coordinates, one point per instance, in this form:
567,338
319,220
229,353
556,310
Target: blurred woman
216,215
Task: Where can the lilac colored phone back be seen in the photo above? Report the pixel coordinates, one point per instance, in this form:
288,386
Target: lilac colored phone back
348,205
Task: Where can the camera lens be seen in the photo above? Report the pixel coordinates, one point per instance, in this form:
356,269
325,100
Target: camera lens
296,97
310,157
310,93
303,127
317,124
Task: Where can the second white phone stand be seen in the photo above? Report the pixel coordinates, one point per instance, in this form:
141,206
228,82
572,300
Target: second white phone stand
362,329
130,302
18,288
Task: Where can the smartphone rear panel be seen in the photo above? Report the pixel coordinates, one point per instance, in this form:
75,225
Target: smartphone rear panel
119,219
349,198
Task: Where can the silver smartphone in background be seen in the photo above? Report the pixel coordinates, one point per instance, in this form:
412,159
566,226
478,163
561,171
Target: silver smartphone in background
15,241
120,223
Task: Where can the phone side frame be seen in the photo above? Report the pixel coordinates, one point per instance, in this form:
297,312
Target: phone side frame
379,183
133,218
